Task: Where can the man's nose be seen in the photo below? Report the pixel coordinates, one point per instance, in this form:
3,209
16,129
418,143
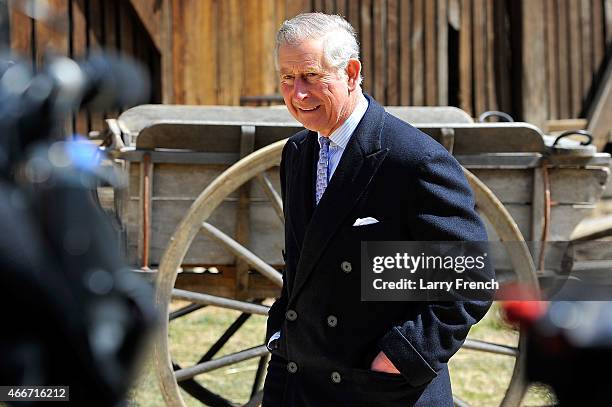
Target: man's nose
300,89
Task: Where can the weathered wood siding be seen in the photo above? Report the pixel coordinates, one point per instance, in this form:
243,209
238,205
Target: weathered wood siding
563,49
536,59
82,26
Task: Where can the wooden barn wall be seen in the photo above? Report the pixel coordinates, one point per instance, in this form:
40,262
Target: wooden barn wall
564,48
536,59
82,26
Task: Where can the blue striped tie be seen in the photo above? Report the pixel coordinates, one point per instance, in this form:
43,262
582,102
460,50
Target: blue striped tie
322,168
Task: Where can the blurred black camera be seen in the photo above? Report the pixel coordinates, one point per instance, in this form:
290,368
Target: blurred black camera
72,313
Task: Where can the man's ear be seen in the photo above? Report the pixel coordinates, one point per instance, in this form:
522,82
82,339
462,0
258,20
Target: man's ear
353,70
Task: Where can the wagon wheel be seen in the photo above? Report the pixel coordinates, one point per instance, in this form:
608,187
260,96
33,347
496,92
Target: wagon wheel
195,221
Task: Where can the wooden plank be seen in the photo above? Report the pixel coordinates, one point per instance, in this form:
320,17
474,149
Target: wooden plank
430,41
21,33
167,50
575,60
465,58
280,14
564,76
490,84
329,6
379,74
586,49
503,58
565,124
442,49
94,25
342,8
49,38
533,79
354,17
178,52
417,54
236,53
252,80
150,14
110,24
454,14
243,232
479,68
367,59
392,83
95,36
598,35
79,49
295,7
126,33
222,284
110,37
268,32
404,49
608,17
167,214
600,119
318,5
52,39
225,94
195,51
552,59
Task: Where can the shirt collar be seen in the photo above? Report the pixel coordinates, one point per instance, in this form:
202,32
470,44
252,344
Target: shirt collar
342,134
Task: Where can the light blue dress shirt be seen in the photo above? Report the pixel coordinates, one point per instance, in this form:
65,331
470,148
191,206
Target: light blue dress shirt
341,136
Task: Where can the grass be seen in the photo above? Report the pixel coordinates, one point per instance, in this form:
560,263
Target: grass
478,378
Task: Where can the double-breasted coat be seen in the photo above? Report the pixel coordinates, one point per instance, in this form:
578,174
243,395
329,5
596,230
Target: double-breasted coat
417,191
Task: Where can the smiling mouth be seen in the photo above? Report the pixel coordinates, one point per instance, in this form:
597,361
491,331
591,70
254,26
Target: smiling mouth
312,109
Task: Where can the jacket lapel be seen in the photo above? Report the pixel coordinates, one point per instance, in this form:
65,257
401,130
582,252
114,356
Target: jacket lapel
360,161
301,199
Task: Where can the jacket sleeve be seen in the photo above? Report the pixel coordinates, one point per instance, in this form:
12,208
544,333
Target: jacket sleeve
276,313
422,345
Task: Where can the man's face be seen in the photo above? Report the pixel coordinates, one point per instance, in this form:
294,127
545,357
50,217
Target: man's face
316,94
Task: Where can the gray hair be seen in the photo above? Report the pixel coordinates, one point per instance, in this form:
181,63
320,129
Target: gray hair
339,37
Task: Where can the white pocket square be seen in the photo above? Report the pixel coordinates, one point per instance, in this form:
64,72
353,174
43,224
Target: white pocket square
365,221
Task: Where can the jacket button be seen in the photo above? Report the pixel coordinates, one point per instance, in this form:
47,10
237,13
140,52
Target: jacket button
332,321
291,315
336,378
292,367
346,267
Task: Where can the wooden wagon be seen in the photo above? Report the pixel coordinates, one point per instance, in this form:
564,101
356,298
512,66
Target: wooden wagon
202,207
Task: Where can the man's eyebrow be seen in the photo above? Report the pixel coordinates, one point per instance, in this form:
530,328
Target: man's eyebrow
306,69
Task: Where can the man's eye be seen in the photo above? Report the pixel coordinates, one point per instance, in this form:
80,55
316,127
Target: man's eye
287,77
311,75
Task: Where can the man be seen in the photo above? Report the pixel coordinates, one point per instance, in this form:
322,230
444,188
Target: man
355,161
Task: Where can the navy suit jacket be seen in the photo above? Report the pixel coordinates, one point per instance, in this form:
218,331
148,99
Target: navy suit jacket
416,189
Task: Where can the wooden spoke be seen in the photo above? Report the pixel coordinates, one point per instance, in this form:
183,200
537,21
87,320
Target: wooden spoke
243,253
273,196
483,346
207,299
190,372
256,400
185,311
